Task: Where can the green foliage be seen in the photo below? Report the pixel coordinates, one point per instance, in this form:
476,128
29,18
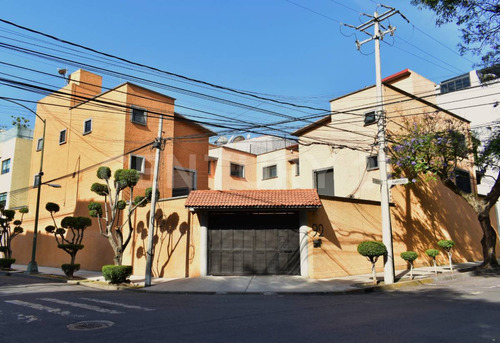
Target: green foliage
52,207
478,21
78,223
18,230
104,173
6,263
50,228
126,178
3,249
20,122
23,210
121,204
409,256
140,201
99,189
17,222
429,147
9,214
60,232
149,193
70,246
371,249
70,269
432,252
95,209
116,274
446,245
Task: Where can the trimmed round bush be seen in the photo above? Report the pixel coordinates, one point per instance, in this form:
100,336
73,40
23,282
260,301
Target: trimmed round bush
409,256
116,274
70,269
52,207
432,252
446,244
6,263
103,173
371,249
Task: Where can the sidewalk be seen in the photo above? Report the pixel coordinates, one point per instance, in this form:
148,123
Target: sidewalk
279,284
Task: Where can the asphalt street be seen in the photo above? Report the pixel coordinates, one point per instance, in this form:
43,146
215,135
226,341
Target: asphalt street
461,310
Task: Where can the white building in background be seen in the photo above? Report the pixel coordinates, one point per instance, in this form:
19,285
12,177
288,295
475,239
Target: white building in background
15,159
475,96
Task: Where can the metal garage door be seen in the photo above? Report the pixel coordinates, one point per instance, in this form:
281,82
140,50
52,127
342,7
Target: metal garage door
253,244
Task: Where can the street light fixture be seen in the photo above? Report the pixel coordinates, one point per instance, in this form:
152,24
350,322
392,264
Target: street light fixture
32,266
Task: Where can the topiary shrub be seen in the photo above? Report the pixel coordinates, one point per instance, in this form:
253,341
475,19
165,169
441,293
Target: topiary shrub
432,253
6,263
70,269
447,245
409,256
372,251
116,274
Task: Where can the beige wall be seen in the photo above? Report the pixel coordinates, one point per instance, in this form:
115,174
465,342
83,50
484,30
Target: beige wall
222,178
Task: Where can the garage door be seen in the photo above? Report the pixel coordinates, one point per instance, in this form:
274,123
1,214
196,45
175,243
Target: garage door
253,244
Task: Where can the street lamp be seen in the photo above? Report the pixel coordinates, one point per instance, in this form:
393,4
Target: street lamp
32,266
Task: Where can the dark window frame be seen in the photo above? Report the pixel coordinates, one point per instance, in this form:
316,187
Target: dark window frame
239,172
39,144
7,162
372,166
133,118
85,131
61,133
268,170
316,183
370,118
143,164
463,180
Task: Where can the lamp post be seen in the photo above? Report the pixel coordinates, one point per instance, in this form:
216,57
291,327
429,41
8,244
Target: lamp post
32,266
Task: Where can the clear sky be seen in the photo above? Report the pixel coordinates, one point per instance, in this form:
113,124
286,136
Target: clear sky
294,51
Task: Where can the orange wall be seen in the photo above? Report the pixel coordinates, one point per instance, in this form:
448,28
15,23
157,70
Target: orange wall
423,214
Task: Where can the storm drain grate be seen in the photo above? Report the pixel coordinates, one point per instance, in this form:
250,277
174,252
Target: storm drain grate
91,325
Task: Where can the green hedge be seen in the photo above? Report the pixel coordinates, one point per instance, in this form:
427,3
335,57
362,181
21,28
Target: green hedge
371,249
70,269
116,274
409,256
5,263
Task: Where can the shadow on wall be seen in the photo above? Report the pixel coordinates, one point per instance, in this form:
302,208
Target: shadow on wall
428,212
169,234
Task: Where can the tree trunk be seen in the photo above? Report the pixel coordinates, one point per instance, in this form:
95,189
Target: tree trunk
374,274
411,270
488,242
450,260
435,266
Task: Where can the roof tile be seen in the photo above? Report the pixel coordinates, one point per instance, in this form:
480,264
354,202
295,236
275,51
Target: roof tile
253,199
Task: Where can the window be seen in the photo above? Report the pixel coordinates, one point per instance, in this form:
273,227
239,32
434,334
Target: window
138,116
455,84
323,181
3,199
462,180
62,136
87,126
137,163
39,144
269,172
237,170
6,166
297,168
370,118
372,162
184,181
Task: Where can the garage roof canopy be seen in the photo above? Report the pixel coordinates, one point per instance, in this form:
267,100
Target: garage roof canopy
254,199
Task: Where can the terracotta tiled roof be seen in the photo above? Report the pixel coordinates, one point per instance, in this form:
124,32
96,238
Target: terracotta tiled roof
254,199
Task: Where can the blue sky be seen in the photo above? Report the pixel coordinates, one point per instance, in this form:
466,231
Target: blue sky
275,47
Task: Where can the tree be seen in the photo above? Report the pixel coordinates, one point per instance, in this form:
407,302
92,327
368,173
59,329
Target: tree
430,147
72,243
432,253
372,251
447,245
409,256
113,229
478,20
9,228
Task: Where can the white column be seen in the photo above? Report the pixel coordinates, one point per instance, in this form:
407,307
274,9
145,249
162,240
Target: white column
203,243
303,244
